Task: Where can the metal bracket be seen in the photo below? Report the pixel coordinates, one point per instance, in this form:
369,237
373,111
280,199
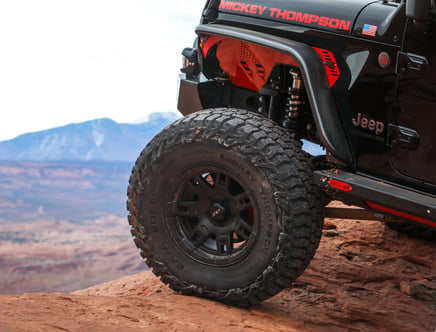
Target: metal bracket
354,213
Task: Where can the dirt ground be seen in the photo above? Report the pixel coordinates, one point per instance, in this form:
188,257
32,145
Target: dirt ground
364,277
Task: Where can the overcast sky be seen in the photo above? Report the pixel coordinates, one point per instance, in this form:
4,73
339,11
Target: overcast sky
64,61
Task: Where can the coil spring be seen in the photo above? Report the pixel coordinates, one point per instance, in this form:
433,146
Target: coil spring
295,104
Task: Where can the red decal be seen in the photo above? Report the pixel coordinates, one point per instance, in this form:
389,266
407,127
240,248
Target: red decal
290,15
323,21
261,10
225,5
330,65
313,19
242,7
287,15
401,214
303,18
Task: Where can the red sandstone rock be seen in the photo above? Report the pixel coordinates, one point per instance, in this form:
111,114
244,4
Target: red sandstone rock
367,278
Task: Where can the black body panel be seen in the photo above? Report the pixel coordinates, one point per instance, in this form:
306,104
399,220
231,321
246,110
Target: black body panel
363,87
376,120
413,152
338,16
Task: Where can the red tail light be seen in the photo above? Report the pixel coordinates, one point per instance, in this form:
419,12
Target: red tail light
340,185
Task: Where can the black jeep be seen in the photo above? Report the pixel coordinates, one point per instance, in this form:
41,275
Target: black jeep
224,203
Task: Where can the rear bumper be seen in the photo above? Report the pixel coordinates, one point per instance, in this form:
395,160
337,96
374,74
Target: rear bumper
379,196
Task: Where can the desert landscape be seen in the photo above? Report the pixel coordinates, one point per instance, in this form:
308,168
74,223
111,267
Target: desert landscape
68,263
364,277
63,256
63,225
72,191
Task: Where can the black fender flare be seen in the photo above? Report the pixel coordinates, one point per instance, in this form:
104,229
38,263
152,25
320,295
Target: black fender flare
314,76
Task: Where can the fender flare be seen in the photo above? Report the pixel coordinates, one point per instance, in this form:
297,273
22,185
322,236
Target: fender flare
314,76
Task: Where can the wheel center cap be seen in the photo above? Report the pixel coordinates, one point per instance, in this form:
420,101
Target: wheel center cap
218,212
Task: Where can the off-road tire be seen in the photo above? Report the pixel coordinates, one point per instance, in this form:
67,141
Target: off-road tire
201,248
413,230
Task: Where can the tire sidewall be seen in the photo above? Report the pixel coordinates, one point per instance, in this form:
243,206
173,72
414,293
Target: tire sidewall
176,159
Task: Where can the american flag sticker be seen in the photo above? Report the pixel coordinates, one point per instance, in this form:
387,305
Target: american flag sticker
369,30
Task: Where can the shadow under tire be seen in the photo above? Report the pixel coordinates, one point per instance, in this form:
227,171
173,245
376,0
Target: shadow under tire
222,205
413,230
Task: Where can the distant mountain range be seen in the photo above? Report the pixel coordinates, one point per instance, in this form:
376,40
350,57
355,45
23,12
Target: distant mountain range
75,172
95,140
62,190
101,139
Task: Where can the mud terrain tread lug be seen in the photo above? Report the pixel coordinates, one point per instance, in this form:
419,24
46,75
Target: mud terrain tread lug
293,245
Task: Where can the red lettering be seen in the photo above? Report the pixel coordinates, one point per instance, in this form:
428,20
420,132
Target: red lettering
291,15
236,6
323,21
313,18
379,127
273,11
225,4
281,14
261,10
245,7
334,23
302,17
344,25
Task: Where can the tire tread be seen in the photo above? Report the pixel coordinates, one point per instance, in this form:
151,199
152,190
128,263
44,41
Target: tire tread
298,200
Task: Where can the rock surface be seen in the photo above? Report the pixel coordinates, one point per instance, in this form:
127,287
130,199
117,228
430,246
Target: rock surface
364,278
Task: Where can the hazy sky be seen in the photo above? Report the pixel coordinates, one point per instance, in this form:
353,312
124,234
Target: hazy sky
64,61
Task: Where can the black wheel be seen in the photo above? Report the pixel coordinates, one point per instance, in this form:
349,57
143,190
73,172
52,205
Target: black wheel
414,230
222,205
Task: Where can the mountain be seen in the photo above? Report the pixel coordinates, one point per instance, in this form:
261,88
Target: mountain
76,172
62,190
101,139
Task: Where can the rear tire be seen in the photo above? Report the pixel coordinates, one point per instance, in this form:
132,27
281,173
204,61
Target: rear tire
222,205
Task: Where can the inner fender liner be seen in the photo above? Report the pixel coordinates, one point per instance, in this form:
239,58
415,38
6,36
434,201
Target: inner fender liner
247,65
314,76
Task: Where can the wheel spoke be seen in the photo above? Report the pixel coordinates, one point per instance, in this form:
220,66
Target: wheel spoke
186,209
243,229
224,244
242,202
222,181
199,234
